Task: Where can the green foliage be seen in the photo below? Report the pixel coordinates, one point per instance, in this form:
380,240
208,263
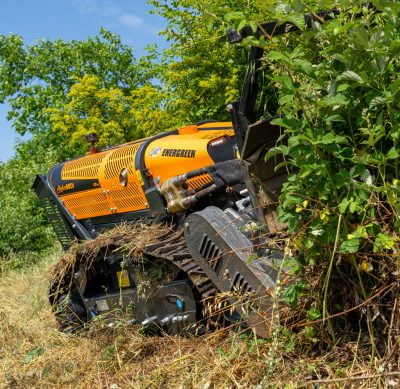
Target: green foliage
341,117
23,226
36,79
93,108
338,92
200,72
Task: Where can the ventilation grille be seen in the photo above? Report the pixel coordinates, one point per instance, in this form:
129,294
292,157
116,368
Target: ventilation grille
83,168
119,159
240,285
210,251
86,200
87,205
128,198
198,182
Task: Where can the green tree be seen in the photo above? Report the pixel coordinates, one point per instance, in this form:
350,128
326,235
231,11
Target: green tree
35,79
91,108
23,226
116,117
200,72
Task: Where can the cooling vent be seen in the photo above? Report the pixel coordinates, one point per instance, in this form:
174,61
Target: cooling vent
130,198
240,285
111,197
198,182
210,252
119,159
53,213
127,198
87,205
83,168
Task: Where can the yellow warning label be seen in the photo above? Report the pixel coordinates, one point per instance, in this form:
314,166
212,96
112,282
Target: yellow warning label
123,279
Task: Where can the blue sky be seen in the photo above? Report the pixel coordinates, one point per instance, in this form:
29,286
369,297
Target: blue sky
75,19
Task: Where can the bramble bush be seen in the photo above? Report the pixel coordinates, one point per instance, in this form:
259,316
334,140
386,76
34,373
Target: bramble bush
338,91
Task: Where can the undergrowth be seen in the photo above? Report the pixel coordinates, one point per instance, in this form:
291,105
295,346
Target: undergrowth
33,353
338,91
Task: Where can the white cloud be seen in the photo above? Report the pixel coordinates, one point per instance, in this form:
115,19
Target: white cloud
98,8
106,9
130,20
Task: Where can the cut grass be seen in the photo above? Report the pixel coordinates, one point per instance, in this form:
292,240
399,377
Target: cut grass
33,353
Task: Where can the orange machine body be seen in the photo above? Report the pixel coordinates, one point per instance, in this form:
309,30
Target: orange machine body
114,181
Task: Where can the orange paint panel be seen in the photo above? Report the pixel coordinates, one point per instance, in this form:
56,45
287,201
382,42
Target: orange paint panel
165,157
211,125
112,197
87,204
179,154
83,168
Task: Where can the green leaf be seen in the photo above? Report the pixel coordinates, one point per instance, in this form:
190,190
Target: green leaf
350,246
353,205
304,65
367,177
383,242
274,151
334,118
313,313
293,292
308,244
276,55
377,101
337,100
288,122
32,354
330,138
253,25
295,18
351,76
343,205
316,25
284,80
243,23
392,154
342,87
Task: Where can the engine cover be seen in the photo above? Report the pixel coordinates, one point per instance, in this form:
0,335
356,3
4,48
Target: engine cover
225,255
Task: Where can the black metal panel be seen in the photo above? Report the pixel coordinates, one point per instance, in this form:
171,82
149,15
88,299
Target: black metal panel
62,187
223,253
243,110
65,226
211,231
223,151
156,202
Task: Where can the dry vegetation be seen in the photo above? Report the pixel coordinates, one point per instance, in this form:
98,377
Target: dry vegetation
33,353
129,239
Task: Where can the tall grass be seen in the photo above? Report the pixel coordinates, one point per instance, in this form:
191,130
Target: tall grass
33,353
